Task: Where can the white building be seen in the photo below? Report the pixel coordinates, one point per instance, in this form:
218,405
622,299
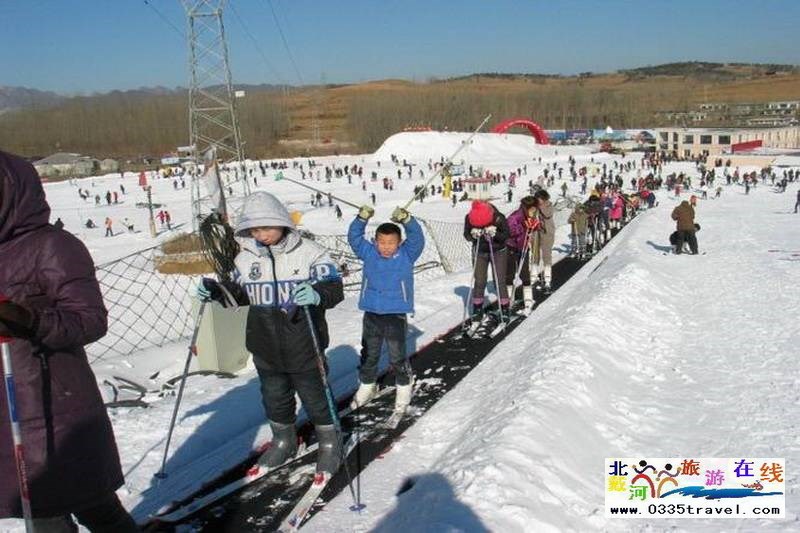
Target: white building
688,142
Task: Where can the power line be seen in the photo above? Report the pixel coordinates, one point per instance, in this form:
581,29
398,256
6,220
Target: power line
255,43
285,43
165,19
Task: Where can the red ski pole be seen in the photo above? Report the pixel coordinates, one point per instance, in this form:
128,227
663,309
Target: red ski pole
16,432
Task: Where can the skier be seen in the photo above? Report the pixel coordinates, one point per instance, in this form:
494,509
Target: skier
579,221
547,236
522,225
277,273
797,203
54,308
109,227
387,296
684,216
615,213
487,229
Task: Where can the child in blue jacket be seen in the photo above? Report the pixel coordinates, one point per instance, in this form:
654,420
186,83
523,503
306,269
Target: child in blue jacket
387,296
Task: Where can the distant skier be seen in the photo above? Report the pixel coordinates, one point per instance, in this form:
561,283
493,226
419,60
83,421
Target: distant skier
109,227
387,296
684,216
278,273
547,236
579,221
797,203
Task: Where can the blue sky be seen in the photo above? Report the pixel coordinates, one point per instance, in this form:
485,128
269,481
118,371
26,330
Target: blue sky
75,46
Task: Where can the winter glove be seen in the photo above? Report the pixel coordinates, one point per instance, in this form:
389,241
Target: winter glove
400,215
304,294
476,233
365,212
491,231
16,321
208,289
532,223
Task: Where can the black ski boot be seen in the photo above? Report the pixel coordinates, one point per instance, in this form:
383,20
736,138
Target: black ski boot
330,451
283,446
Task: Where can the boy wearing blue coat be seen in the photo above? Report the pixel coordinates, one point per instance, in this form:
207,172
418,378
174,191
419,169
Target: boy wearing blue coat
387,296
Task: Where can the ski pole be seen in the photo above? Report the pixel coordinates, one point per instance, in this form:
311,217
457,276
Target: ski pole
447,162
192,352
16,432
337,424
496,281
280,176
468,303
517,275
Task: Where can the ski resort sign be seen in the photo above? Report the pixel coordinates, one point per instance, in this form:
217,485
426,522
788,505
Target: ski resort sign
688,487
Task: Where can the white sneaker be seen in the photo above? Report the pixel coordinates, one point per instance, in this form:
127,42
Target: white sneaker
403,397
365,392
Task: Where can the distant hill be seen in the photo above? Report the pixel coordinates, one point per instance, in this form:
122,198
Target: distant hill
280,120
12,98
703,69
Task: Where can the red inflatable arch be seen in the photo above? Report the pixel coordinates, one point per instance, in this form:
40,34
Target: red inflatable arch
535,129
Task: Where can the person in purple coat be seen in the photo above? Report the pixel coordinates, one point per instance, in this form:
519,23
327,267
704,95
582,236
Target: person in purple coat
53,308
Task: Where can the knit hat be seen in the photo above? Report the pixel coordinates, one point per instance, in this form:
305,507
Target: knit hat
481,214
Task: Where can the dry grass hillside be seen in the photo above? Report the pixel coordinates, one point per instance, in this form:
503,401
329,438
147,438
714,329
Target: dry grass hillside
353,118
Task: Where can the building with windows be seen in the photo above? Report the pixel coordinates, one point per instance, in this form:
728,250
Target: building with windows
690,142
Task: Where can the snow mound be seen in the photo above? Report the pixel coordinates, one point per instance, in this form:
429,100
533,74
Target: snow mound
484,147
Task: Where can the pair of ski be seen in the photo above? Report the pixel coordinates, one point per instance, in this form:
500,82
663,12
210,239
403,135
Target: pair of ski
178,511
478,328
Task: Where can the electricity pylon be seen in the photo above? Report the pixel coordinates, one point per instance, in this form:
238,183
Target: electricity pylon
213,124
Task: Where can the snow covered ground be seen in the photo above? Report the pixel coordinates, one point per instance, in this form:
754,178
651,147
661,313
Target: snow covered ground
648,355
609,360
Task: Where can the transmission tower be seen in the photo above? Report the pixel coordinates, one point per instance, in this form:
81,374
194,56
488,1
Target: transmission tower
212,103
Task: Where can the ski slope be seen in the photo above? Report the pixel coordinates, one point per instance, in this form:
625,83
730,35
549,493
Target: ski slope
648,355
621,318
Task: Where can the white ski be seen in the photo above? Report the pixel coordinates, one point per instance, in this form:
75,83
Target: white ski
255,473
321,479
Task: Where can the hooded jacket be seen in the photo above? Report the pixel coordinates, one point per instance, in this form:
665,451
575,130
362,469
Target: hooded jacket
70,453
277,333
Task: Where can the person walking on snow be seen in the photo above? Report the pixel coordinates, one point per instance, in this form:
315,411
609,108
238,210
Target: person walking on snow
277,273
797,203
53,309
387,296
488,231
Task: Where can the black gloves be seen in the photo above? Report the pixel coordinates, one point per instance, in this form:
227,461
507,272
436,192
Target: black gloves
16,321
